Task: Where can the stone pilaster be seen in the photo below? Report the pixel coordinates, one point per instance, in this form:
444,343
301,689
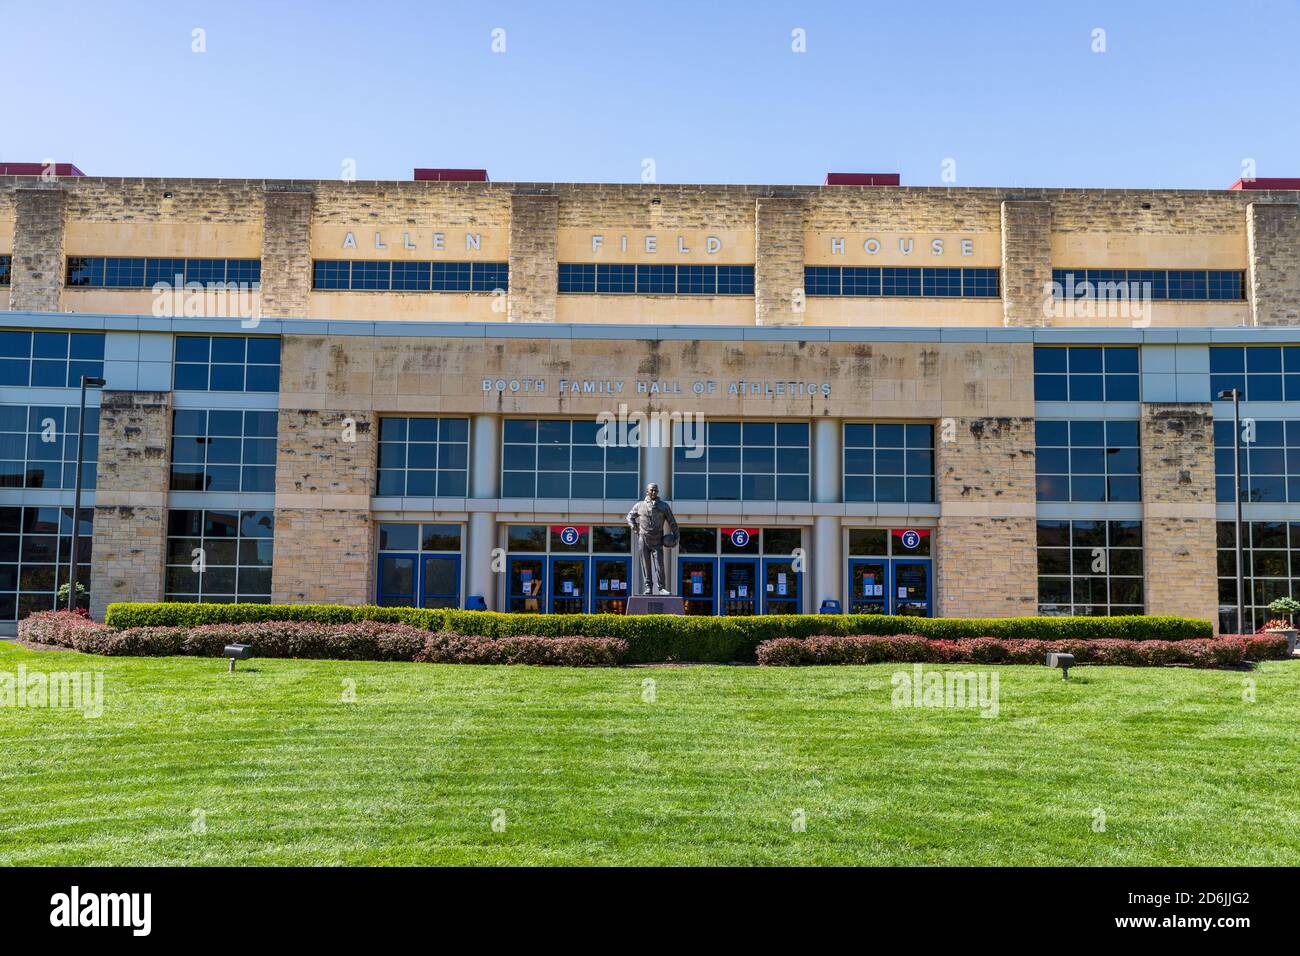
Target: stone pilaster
36,278
1026,260
987,560
286,253
778,260
1178,512
1273,256
534,272
131,498
324,477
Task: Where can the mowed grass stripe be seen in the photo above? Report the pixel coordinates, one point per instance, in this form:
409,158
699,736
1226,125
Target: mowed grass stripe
586,771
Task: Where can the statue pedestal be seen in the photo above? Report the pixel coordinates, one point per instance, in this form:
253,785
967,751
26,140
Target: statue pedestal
655,604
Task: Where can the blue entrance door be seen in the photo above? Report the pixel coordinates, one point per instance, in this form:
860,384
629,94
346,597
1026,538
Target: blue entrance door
738,591
568,591
398,574
407,581
526,585
781,591
868,585
610,584
911,588
696,577
440,581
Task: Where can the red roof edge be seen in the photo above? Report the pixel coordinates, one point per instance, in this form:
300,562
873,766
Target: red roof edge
451,175
862,179
38,169
1273,183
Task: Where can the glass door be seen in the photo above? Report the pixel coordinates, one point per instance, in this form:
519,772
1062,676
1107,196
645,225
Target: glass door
610,577
527,580
739,591
568,585
911,588
867,586
781,593
697,584
397,580
440,581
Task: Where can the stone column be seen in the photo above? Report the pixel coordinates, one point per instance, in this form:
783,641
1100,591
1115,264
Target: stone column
485,483
1273,256
826,566
657,456
134,474
986,563
534,272
779,259
323,529
1026,260
286,253
1178,511
37,271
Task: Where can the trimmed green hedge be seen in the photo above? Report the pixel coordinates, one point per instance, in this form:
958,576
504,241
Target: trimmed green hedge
661,637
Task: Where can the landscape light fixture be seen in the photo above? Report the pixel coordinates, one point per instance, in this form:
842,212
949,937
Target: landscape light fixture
1063,661
87,381
1234,395
237,652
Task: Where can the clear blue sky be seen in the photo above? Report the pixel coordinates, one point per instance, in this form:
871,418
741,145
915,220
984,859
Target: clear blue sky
710,90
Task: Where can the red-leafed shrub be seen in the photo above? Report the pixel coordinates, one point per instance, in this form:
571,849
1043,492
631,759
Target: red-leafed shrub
562,651
352,641
1215,652
65,629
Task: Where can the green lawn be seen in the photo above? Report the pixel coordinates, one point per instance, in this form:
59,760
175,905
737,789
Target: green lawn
284,771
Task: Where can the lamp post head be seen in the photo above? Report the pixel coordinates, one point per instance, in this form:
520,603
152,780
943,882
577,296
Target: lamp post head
88,381
1228,394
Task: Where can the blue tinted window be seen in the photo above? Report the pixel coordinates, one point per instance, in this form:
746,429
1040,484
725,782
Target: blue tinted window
656,280
489,276
411,276
1261,373
560,458
1090,568
941,282
821,280
577,277
1160,284
402,276
117,272
615,278
1088,460
227,363
889,462
223,450
1086,374
38,446
900,282
6,269
423,457
238,550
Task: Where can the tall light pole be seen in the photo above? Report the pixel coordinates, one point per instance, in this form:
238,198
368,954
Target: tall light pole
1235,395
86,381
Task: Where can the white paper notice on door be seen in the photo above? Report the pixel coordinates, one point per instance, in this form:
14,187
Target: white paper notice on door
902,592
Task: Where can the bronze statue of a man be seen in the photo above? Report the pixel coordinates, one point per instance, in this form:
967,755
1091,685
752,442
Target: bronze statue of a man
651,520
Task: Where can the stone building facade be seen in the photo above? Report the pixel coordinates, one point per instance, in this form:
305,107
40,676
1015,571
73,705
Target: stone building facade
974,402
